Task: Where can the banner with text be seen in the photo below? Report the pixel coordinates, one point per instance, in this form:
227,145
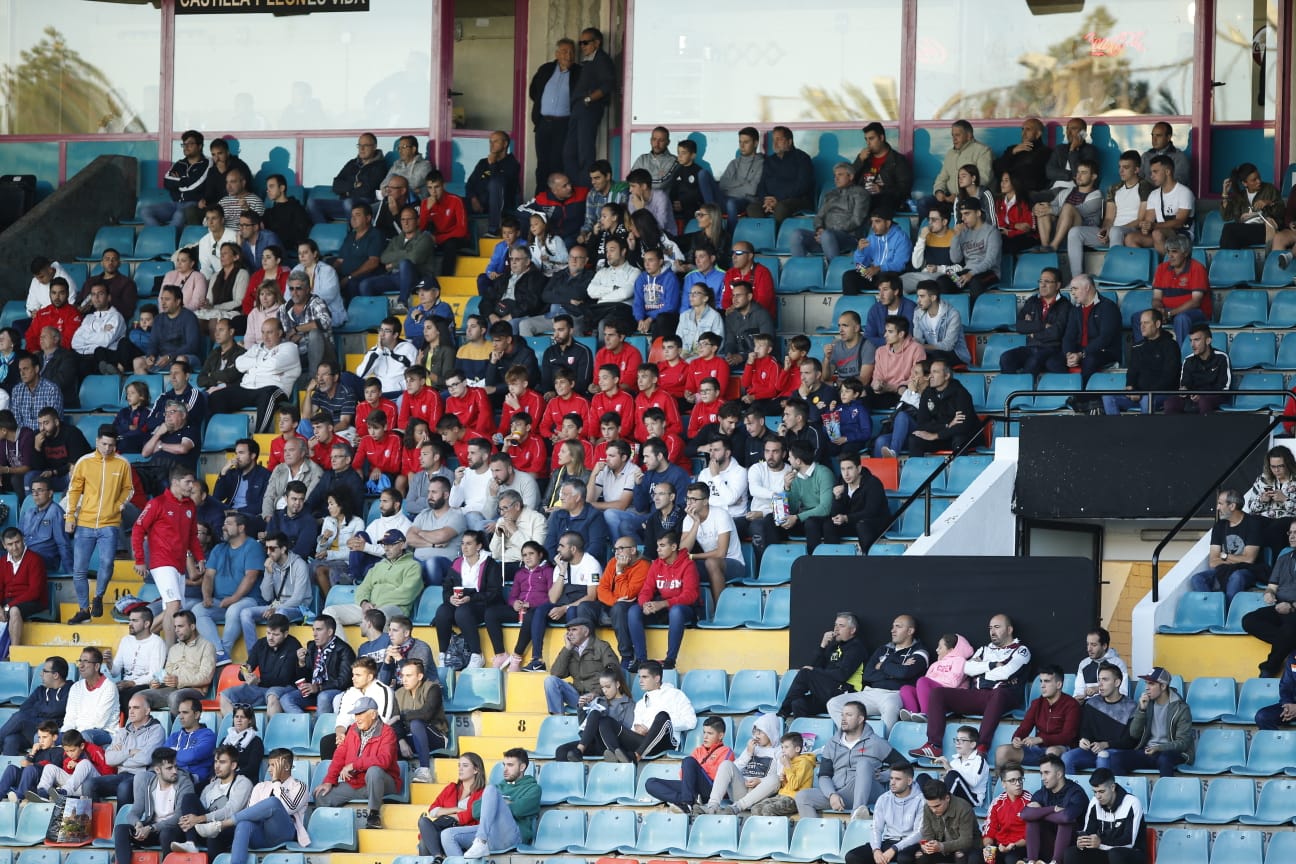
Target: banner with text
278,7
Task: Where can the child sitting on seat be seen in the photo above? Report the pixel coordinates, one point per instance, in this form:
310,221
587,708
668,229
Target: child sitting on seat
81,761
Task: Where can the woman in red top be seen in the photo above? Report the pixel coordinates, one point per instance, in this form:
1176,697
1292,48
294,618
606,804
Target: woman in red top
453,808
272,270
1014,218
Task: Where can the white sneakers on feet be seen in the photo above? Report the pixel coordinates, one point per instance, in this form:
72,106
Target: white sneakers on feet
476,661
441,660
421,775
187,846
478,849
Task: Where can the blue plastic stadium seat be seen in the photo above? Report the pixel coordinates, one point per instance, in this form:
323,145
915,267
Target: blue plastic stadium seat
707,689
1244,307
881,549
1052,381
606,828
223,430
1211,698
914,471
289,730
429,602
560,781
1227,799
1253,381
1208,232
1244,603
1106,381
783,244
1173,799
962,471
1282,847
154,241
749,689
708,836
858,832
831,550
803,274
859,303
14,310
1273,751
330,828
777,612
812,839
477,689
1237,847
1253,350
364,314
191,235
821,729
1274,275
762,837
339,594
1255,694
912,524
1217,750
1274,805
995,346
1286,358
15,682
758,232
1026,273
554,731
975,384
776,565
659,831
1126,267
1196,612
1002,385
329,236
1230,267
119,237
146,275
33,819
607,782
100,393
993,312
837,268
736,606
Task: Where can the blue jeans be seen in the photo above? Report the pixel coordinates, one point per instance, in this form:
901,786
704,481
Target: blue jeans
677,617
255,695
901,426
560,694
733,207
624,523
167,213
324,209
207,617
402,279
292,702
496,826
424,739
266,824
1125,762
1117,404
1077,760
19,780
120,785
831,243
1231,583
693,786
247,612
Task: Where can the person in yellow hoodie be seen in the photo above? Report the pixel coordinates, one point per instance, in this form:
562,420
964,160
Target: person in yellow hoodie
797,768
98,488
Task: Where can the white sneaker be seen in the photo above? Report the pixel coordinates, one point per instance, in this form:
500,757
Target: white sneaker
208,829
184,847
422,775
478,849
441,660
476,661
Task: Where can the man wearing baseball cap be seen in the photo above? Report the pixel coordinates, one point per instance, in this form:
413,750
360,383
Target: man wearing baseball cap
1162,725
365,764
583,658
393,585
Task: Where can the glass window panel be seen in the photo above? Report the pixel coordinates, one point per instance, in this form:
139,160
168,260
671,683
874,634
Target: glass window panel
322,71
721,62
1246,60
1004,59
483,68
95,69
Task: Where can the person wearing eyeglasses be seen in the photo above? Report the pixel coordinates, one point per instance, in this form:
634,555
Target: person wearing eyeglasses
358,180
746,269
48,701
92,701
1005,831
589,100
388,360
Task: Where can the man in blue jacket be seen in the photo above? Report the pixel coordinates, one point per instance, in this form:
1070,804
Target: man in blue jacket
242,482
1283,713
194,743
886,249
787,180
1093,334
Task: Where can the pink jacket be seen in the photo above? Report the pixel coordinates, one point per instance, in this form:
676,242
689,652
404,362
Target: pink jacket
948,671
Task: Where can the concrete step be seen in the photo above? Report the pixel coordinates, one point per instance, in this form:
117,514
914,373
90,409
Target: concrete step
1208,655
471,265
389,841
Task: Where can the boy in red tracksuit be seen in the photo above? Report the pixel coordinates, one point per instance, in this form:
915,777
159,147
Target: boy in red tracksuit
610,428
707,409
419,402
619,353
527,451
379,452
519,398
697,771
610,398
762,380
471,405
654,421
170,522
289,420
81,761
652,396
707,365
672,371
564,401
373,401
1005,829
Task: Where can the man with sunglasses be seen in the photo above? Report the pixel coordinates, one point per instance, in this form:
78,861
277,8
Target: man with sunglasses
307,319
589,99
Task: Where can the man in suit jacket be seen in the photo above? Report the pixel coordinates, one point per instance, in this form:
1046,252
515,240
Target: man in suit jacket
552,93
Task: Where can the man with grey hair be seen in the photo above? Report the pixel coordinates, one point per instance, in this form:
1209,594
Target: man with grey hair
1093,334
966,150
307,321
1181,288
574,513
837,222
296,466
269,370
836,669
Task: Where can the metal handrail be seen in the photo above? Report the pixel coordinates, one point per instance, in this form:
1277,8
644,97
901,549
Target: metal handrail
924,488
1008,407
1212,489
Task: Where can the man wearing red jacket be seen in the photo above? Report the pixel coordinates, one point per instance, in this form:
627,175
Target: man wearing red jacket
756,275
652,396
519,398
527,451
60,315
470,405
22,583
616,351
1054,718
365,765
610,399
707,364
563,207
170,524
442,215
668,596
379,452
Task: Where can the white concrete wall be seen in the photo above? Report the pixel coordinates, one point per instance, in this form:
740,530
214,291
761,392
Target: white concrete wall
1148,615
981,521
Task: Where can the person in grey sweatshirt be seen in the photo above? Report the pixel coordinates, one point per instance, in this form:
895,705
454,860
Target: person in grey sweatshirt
848,767
130,753
741,176
978,247
897,820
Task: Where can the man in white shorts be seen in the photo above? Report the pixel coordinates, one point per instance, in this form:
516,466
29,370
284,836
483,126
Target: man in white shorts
169,524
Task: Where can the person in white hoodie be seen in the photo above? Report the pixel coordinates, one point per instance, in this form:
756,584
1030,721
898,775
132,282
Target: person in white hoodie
269,371
612,287
751,776
659,716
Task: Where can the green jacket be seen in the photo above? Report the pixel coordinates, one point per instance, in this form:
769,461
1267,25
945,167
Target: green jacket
811,496
957,828
1179,728
523,798
418,251
393,583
